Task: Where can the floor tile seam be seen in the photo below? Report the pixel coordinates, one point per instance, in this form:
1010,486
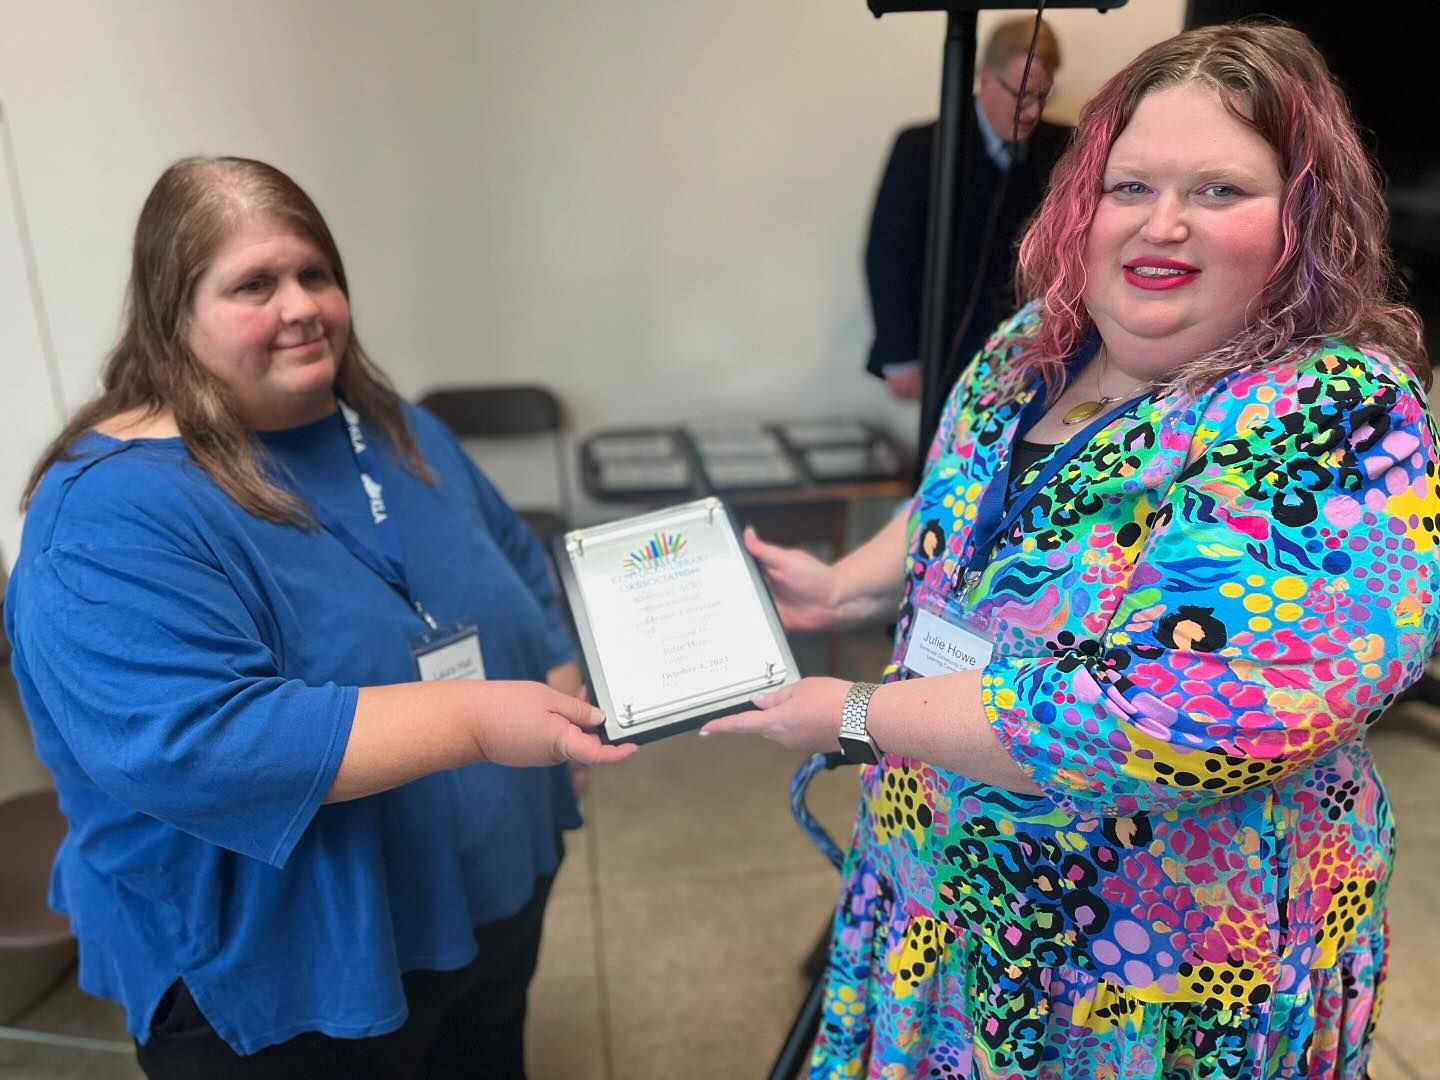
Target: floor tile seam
1398,1058
65,1040
791,965
1427,902
597,946
710,877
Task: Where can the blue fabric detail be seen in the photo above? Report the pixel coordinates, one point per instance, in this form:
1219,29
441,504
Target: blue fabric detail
996,147
191,673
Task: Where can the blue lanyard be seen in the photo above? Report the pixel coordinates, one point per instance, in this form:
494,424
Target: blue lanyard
991,520
389,562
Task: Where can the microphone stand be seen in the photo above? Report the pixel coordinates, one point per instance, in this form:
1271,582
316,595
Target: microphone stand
946,246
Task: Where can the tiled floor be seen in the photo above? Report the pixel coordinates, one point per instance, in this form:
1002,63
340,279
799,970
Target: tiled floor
680,920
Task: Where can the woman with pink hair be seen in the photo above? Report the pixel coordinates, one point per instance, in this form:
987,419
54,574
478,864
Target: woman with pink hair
1119,818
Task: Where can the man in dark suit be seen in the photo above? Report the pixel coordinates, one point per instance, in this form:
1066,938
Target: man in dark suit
895,250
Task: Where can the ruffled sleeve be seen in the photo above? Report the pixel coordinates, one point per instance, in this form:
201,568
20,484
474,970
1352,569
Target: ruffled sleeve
1284,594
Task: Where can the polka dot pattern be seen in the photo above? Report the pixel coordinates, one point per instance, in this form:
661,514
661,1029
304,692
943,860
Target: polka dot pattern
1195,622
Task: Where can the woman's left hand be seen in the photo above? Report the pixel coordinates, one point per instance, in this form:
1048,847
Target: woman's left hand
802,716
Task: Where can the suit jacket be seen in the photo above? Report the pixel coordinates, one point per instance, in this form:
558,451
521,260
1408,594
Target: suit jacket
895,248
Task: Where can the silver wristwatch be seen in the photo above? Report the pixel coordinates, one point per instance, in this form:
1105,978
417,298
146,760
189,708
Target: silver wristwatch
855,741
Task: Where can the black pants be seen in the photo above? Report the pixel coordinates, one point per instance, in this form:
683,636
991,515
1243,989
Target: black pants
468,1023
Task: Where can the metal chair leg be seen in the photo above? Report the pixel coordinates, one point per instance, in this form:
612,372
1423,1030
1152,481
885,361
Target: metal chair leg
795,1051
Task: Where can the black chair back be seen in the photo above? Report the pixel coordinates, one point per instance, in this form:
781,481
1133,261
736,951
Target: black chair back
498,412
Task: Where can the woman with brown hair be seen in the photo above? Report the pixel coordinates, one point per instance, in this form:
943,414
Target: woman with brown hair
282,646
1121,819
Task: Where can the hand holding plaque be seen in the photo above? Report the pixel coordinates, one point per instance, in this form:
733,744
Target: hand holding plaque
674,619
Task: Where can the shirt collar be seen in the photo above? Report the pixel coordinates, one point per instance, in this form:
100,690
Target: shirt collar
997,148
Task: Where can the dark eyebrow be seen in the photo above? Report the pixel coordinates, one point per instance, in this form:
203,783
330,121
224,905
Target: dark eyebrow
251,270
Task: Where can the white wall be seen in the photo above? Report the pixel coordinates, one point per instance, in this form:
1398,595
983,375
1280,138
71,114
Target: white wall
30,409
657,207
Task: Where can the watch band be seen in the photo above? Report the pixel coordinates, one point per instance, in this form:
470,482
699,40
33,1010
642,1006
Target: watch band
857,706
856,742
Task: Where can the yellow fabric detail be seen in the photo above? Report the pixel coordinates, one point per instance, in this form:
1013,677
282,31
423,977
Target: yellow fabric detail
1108,1008
923,944
1406,504
1289,588
895,807
1349,907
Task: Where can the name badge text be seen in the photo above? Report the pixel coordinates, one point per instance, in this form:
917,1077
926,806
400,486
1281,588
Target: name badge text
940,648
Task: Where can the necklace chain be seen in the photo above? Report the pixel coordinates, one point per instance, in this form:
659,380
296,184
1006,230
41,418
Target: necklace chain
1086,409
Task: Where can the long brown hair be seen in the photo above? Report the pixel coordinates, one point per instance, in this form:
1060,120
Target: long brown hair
1334,277
189,214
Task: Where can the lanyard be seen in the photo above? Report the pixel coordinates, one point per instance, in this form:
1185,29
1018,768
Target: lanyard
389,562
991,520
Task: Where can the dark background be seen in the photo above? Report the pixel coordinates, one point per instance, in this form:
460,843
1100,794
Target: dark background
1375,49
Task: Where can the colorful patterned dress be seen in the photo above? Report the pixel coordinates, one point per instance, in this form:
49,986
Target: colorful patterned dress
1195,623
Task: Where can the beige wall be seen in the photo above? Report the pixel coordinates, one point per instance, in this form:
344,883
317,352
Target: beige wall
656,206
30,409
1094,45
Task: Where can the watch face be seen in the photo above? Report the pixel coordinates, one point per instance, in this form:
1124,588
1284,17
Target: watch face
858,751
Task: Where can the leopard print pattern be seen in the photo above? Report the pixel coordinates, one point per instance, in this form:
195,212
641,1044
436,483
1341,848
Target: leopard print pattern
1195,622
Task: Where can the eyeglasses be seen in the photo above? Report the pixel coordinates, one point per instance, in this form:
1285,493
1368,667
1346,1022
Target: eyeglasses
1028,99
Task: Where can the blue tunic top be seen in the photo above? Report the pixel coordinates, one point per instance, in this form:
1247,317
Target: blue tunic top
191,672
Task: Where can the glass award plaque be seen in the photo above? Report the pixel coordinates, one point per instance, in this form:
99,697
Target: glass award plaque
807,433
674,619
641,476
742,472
851,462
607,448
737,444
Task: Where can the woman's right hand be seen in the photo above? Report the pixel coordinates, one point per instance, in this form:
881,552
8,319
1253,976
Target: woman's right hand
408,730
804,588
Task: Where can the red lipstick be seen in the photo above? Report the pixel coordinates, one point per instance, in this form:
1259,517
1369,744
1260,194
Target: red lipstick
1180,273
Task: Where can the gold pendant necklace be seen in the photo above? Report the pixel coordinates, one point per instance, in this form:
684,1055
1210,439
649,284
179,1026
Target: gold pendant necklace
1085,410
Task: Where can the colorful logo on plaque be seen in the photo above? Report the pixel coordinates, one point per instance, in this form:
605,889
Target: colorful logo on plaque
662,548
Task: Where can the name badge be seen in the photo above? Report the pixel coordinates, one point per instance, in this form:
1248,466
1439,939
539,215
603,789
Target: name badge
455,657
940,648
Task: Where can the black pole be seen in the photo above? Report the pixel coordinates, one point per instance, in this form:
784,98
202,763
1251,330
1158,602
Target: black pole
795,1053
946,244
